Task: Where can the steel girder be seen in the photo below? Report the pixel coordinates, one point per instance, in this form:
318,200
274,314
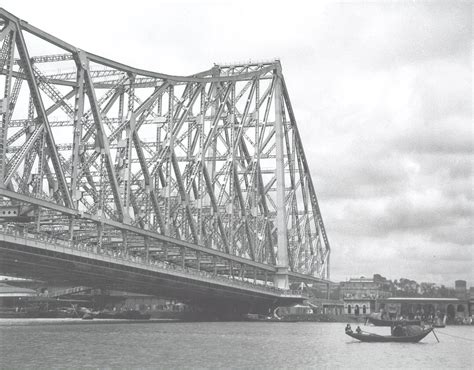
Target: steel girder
214,159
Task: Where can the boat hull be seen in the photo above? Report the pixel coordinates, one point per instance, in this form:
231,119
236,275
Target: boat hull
389,338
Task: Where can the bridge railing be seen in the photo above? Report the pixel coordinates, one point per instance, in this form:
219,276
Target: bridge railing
139,261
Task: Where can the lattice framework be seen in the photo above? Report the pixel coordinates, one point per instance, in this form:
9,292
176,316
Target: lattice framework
214,159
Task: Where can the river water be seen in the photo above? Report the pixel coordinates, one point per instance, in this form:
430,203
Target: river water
75,344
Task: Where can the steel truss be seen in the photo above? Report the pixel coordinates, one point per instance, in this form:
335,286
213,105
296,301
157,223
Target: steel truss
214,160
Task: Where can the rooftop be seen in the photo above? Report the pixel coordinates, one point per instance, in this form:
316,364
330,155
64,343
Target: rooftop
425,299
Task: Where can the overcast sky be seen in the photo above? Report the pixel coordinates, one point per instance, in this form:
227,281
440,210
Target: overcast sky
382,94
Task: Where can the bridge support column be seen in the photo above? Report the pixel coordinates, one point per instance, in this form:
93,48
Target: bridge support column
281,275
147,250
183,257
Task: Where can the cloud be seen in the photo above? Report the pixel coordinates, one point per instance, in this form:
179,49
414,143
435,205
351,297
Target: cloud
384,34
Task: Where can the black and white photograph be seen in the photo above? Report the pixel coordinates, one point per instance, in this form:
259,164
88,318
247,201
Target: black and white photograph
236,184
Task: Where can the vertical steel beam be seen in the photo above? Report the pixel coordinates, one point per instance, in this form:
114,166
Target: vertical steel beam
170,143
201,123
77,135
281,276
147,248
232,149
127,152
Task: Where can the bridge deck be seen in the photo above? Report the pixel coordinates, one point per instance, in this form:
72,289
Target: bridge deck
37,256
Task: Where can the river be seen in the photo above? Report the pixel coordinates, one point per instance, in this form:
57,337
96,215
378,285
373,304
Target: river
75,344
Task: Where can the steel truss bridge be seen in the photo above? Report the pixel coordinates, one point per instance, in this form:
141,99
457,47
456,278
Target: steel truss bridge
192,187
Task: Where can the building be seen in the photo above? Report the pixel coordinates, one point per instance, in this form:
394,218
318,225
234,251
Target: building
360,295
425,308
12,297
460,289
471,301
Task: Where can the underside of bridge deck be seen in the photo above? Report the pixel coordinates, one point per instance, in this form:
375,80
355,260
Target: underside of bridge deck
223,298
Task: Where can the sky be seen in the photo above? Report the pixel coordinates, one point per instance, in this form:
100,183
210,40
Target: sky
382,94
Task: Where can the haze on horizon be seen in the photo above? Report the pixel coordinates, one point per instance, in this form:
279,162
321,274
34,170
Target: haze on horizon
382,93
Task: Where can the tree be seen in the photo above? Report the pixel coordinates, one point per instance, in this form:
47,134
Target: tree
428,289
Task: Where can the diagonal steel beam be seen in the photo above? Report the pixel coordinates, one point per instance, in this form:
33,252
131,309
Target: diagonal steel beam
147,178
101,136
7,55
3,34
24,56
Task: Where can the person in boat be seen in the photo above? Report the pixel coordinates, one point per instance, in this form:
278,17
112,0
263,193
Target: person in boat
348,328
358,330
398,330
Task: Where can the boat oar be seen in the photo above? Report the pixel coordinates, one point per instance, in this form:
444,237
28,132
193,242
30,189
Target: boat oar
435,335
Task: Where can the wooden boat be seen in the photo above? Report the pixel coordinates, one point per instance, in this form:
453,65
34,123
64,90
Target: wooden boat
380,322
370,337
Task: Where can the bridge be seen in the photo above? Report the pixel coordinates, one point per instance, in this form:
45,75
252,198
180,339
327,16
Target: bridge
190,187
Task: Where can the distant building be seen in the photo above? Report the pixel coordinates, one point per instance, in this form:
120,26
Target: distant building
360,295
425,307
11,296
471,301
460,289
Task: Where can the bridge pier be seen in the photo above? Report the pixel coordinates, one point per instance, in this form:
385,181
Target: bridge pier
281,277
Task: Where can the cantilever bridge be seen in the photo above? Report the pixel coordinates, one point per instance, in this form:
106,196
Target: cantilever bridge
191,187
